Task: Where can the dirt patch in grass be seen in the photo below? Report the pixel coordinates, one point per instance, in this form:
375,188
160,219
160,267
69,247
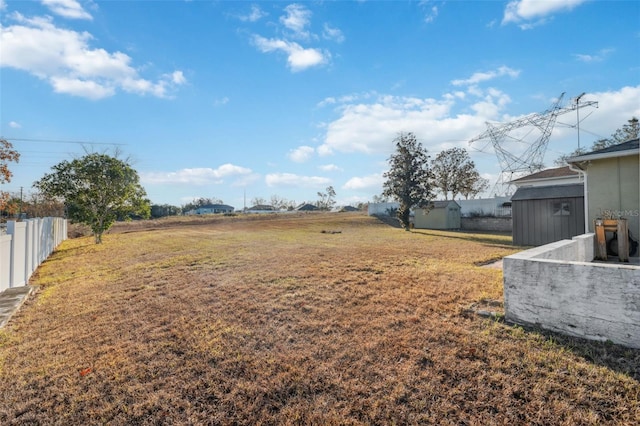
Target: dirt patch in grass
271,321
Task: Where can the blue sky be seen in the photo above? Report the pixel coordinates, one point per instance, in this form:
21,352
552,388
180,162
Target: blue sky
235,99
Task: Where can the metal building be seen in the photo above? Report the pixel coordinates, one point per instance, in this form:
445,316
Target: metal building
544,214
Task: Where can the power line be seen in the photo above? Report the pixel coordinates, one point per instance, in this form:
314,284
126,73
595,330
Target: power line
64,141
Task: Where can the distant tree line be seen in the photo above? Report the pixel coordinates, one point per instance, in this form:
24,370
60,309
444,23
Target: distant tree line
414,179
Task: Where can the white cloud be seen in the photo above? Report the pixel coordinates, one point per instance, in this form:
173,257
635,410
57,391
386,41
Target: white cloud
83,88
255,15
345,99
3,4
297,181
301,154
14,125
371,127
480,77
431,14
598,57
331,33
329,168
614,109
298,58
65,59
297,18
177,77
221,101
528,10
71,9
365,182
196,176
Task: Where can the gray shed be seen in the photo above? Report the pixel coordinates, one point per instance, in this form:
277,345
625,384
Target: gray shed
544,214
443,215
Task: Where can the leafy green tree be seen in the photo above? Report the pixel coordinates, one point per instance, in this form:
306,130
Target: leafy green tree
409,179
454,172
97,189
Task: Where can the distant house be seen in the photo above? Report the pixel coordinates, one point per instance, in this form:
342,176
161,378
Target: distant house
211,209
611,188
341,209
548,206
306,207
442,215
261,208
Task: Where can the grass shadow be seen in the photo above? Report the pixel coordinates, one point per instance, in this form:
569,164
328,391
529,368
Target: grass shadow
495,240
618,358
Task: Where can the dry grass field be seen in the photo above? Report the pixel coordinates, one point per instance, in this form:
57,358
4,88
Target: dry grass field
293,319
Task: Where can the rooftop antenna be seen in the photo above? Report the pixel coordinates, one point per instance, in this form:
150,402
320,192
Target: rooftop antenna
578,117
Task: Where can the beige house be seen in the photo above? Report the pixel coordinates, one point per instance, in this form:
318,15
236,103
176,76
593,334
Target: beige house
611,184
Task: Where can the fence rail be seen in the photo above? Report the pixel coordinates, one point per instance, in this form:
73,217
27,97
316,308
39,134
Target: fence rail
25,246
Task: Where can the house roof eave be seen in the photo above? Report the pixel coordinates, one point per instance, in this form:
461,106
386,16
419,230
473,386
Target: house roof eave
590,157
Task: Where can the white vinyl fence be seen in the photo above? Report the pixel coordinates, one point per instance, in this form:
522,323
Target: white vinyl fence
25,246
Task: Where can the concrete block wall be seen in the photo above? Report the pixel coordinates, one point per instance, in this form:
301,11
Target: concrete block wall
25,246
491,224
557,287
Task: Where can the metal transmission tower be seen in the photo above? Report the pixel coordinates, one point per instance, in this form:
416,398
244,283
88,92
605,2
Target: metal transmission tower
518,156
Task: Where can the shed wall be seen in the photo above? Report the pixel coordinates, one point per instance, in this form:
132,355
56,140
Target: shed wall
538,222
440,218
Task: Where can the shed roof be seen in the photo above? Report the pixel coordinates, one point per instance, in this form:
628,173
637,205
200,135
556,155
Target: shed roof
443,204
548,192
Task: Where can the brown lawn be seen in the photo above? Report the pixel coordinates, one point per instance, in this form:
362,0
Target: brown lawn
269,320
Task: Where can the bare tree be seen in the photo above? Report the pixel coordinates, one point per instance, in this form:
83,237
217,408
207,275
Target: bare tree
258,201
628,131
475,186
327,199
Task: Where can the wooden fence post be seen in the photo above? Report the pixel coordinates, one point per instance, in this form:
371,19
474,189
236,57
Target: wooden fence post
601,240
623,240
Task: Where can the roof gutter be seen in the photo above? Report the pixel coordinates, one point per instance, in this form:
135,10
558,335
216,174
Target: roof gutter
614,154
583,173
